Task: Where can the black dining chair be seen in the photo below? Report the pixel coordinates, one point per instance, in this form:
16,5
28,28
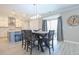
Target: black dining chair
41,40
51,38
23,38
29,38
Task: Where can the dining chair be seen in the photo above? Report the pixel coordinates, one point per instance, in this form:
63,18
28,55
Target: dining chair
23,38
51,38
42,40
29,40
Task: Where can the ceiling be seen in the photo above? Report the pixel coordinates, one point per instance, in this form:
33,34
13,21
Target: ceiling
33,9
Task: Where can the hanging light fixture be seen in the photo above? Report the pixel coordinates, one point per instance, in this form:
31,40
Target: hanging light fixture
36,15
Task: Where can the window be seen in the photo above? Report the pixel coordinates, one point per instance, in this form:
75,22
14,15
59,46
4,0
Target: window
52,25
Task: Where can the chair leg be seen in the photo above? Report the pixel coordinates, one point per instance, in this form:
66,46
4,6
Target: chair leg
49,48
27,47
49,51
52,45
25,44
31,49
38,44
38,47
22,43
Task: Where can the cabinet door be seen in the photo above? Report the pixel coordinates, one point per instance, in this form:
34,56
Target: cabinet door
11,37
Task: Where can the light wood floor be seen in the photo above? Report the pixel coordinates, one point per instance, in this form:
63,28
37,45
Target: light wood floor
7,48
61,48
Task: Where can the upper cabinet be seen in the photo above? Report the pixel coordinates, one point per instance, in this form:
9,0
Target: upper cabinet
18,23
10,22
3,22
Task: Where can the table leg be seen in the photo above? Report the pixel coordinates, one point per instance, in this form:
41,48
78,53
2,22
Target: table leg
40,43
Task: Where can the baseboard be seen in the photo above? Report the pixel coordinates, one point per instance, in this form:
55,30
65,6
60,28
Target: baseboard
73,42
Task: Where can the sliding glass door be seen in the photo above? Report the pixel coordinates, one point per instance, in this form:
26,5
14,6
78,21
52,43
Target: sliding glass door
52,25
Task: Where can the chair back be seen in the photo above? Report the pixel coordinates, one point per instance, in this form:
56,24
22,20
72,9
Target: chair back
23,34
28,35
51,34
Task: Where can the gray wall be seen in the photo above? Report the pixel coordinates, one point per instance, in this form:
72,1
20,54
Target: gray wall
71,33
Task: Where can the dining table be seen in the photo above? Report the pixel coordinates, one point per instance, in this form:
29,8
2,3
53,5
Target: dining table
41,35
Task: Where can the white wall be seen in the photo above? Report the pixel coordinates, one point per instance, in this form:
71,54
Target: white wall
70,33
